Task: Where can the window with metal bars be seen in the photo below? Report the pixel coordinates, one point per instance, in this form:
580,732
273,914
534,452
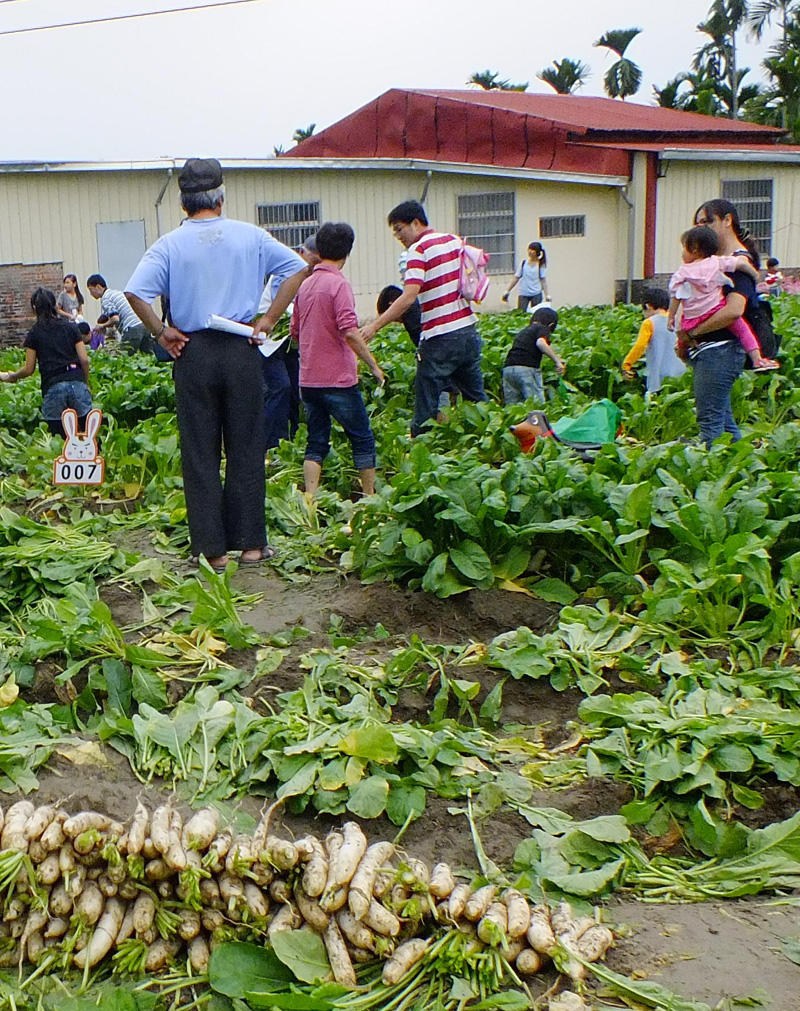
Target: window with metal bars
753,199
562,227
487,220
290,224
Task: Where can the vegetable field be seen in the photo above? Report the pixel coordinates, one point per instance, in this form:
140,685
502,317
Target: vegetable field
516,731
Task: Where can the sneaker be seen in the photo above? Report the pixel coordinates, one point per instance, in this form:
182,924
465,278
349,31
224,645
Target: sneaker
766,365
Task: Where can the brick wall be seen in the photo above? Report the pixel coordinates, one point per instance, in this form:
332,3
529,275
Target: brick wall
18,281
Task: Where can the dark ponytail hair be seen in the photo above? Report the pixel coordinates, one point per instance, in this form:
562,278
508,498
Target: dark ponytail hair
78,294
43,303
541,257
720,208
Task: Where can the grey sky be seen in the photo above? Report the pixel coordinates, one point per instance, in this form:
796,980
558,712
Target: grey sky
234,82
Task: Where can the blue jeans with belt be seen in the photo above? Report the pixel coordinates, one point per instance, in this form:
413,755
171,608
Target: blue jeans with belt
715,371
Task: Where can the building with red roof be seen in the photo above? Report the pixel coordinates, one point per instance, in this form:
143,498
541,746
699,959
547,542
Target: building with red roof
606,186
652,165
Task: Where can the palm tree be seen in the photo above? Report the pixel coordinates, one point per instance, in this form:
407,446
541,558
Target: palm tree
778,104
725,18
301,134
761,14
623,77
488,80
565,76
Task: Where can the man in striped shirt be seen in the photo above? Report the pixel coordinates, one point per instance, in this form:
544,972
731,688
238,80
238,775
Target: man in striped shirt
449,352
117,309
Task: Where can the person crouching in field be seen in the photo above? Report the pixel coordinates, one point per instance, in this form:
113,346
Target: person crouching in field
325,324
56,346
522,372
655,342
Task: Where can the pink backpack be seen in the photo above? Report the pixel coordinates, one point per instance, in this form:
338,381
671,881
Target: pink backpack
473,283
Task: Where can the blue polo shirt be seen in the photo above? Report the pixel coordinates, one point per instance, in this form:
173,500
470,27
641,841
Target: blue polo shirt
212,265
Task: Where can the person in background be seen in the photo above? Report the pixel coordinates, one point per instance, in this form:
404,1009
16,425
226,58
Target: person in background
325,324
412,317
716,356
654,342
522,372
773,279
449,350
213,265
696,289
532,279
117,312
69,303
86,331
281,370
56,346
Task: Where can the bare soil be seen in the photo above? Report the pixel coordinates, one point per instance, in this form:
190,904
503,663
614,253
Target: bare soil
711,952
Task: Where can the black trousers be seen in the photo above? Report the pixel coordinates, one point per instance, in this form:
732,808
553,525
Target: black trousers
219,401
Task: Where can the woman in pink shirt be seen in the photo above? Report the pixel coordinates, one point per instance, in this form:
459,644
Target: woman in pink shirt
325,324
696,289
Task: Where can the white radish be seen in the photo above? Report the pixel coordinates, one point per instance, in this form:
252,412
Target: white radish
593,944
49,870
160,954
346,860
310,909
89,904
144,911
342,967
479,902
256,902
286,918
493,926
13,835
199,955
457,902
53,837
85,821
39,821
137,833
362,883
56,927
382,920
528,962
442,881
281,853
316,871
104,936
201,829
359,935
403,960
540,934
519,913
190,925
160,823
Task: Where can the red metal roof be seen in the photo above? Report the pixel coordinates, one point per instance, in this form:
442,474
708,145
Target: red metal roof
606,114
519,130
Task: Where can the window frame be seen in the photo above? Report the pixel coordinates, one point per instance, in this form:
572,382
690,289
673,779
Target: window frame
503,260
763,236
553,231
293,225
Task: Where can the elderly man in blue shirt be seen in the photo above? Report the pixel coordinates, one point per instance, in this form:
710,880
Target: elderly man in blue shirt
212,265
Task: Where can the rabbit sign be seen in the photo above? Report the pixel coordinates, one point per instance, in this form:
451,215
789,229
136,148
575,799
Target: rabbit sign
79,463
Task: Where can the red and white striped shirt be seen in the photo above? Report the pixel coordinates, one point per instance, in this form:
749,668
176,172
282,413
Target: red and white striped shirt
434,263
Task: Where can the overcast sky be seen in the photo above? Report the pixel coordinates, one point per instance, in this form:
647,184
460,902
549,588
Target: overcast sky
234,82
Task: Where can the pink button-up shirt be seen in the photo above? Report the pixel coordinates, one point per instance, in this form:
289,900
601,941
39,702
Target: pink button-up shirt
324,311
699,284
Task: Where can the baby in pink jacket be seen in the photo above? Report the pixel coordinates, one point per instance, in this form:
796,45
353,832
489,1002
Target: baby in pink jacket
696,289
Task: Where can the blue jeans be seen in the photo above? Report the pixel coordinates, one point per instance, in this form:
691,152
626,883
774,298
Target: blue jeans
343,403
522,382
60,396
278,397
715,371
453,359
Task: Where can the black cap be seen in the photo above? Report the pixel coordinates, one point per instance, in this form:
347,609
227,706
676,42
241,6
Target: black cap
200,174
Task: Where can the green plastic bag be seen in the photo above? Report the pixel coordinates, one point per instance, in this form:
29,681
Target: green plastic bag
598,424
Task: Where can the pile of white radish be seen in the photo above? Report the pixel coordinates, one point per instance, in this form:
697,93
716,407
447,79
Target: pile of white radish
157,890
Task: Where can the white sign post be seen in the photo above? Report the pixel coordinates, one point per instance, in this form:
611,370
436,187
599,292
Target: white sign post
79,463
